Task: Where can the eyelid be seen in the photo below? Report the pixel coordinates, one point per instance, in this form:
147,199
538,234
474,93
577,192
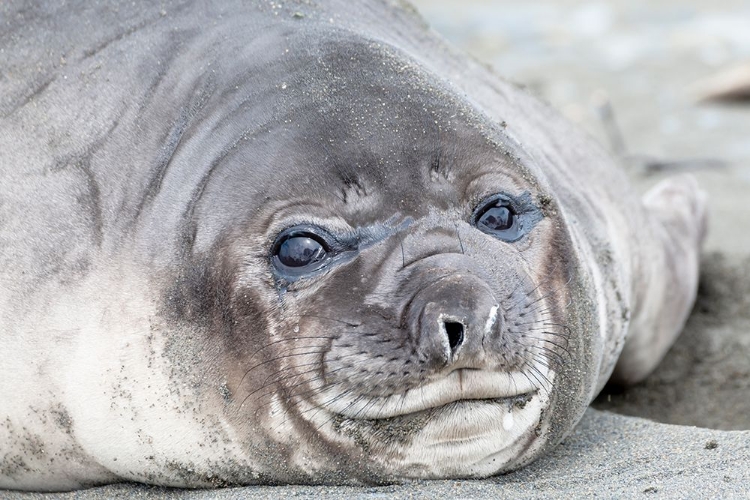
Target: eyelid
293,233
316,233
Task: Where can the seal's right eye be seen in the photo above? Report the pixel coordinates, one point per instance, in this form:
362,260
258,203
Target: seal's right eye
299,252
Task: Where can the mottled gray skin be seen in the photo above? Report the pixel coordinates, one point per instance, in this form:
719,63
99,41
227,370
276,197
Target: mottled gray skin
150,156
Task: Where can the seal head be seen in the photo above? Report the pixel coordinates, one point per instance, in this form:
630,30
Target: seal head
393,280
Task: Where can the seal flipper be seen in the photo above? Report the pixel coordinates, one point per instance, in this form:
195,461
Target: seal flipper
677,210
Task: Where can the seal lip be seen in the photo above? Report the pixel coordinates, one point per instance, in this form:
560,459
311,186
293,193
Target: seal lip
460,386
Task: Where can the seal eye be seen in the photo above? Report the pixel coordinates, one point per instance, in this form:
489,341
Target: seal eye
300,253
498,217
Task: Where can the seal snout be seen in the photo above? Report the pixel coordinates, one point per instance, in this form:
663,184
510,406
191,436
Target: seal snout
457,316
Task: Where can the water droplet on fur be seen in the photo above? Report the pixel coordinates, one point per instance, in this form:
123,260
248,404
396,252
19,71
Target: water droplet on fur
508,421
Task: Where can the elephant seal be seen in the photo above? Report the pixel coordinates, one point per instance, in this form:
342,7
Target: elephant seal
296,242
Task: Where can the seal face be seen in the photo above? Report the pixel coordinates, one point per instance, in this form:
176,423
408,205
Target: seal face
260,245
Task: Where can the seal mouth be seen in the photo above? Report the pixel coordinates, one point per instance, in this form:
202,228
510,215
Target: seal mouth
457,388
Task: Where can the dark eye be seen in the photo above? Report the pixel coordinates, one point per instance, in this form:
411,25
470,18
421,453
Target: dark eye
299,252
496,216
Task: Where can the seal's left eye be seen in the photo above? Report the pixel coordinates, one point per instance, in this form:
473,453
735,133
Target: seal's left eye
498,217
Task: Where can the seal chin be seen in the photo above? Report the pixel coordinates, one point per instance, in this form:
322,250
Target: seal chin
469,423
477,438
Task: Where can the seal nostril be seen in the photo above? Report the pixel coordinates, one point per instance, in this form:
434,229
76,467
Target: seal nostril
455,333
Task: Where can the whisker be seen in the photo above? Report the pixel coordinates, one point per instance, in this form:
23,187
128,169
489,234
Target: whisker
458,235
317,316
551,352
277,358
282,379
534,372
540,339
280,341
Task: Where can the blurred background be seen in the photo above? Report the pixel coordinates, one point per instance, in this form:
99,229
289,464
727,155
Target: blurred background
665,85
639,76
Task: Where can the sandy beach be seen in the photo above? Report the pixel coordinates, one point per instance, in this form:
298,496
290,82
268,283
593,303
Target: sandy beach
631,73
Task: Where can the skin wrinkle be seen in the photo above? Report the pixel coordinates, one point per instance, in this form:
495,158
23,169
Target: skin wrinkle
36,92
169,146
